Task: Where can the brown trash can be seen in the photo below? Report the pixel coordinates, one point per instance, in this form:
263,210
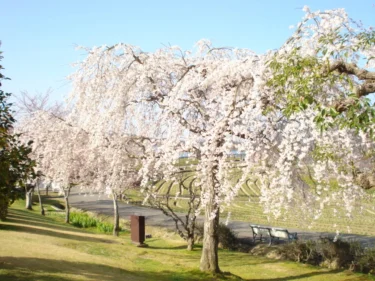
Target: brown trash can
137,227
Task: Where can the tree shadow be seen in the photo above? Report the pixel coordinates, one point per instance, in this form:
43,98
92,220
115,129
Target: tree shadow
182,247
302,276
23,220
25,269
31,215
57,234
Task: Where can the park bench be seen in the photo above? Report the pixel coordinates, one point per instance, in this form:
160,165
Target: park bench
259,232
274,234
281,233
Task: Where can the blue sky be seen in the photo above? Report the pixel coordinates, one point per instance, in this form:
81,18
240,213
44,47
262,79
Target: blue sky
38,37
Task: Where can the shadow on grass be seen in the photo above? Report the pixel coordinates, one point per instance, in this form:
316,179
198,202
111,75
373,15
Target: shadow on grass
170,248
50,200
22,269
307,275
46,200
32,214
239,261
57,234
47,224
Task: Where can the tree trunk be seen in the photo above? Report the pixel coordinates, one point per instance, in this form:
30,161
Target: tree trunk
116,217
190,242
210,259
47,187
29,197
67,209
40,200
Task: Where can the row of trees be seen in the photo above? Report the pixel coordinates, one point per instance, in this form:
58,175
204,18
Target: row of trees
300,111
16,165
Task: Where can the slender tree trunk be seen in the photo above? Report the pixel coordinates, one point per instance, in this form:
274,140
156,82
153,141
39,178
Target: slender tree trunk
67,207
29,197
29,200
47,187
40,200
116,217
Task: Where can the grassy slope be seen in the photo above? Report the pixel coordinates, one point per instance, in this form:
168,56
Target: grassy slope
33,247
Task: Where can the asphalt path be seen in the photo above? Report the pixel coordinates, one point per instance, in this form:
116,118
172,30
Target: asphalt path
103,205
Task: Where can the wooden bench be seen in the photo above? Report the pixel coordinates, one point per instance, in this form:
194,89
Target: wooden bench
274,234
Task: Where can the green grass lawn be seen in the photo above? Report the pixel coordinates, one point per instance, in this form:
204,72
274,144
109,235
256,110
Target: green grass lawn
33,247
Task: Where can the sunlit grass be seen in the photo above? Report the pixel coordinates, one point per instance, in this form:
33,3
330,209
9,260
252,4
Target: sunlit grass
34,247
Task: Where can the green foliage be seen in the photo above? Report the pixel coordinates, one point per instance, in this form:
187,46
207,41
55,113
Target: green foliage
293,90
301,81
359,115
15,163
365,262
83,220
104,227
86,220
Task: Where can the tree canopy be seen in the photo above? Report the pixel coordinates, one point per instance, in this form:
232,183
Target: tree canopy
300,114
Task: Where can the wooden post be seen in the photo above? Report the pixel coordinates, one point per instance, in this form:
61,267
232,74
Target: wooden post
137,225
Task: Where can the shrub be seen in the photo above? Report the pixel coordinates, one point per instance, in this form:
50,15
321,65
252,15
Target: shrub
86,220
104,227
325,252
83,220
301,251
365,262
336,254
332,254
227,238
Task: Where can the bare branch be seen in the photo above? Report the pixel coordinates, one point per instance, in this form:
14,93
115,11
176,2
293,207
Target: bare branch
351,69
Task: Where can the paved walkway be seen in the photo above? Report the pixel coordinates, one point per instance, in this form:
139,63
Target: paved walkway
103,205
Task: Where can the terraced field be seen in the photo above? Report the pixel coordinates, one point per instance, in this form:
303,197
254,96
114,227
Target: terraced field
247,208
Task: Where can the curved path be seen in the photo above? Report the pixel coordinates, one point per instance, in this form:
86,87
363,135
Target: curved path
101,204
